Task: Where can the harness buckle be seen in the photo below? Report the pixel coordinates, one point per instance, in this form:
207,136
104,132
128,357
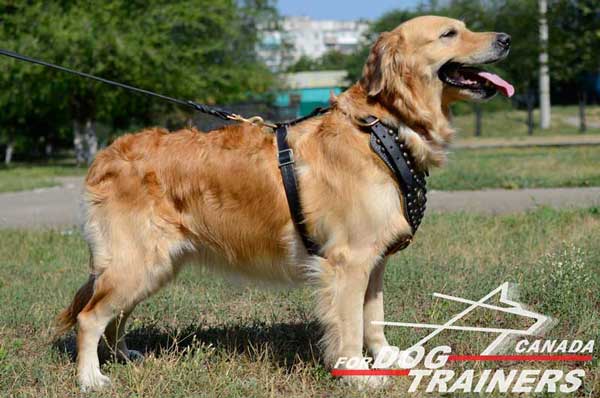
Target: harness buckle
285,157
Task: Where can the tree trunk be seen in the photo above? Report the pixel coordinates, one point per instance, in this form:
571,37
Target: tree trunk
8,153
582,101
478,116
544,70
530,100
91,140
78,143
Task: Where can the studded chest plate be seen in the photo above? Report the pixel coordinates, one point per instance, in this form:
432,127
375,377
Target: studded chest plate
391,148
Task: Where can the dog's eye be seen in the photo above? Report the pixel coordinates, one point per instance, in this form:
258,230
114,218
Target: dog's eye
449,33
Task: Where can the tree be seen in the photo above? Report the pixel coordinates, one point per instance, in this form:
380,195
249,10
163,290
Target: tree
574,43
25,119
331,60
304,63
194,49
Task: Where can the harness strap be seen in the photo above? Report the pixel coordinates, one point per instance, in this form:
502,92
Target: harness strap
285,157
391,148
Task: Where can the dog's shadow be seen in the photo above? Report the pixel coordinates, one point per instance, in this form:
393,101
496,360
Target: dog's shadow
286,344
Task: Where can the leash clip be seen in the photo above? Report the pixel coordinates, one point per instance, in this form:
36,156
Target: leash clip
285,157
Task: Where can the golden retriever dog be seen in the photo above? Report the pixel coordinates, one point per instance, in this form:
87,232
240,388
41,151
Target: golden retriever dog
157,200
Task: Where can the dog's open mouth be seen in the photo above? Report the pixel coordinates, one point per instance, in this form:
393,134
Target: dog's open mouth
474,79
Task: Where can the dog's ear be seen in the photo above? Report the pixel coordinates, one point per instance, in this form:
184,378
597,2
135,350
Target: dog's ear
384,63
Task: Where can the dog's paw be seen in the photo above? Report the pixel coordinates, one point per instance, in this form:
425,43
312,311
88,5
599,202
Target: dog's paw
386,357
390,357
93,381
362,382
365,382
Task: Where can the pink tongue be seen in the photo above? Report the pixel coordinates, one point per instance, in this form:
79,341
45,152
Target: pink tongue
505,87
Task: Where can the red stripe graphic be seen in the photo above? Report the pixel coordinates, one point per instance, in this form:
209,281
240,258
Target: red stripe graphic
465,358
528,358
370,372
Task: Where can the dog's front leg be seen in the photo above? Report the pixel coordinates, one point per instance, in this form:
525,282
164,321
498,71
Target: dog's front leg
343,281
374,335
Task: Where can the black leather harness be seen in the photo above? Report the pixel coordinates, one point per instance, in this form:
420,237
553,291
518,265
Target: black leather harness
387,143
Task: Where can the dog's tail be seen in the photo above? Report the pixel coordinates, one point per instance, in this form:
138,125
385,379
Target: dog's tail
68,317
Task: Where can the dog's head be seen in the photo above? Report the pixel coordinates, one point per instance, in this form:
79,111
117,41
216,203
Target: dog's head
419,68
440,55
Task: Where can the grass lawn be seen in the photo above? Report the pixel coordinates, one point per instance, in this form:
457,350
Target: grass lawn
204,338
512,123
512,168
22,177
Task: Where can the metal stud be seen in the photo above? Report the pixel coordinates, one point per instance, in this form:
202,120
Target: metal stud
378,141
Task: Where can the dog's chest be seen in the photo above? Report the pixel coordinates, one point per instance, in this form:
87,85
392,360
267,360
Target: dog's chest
384,218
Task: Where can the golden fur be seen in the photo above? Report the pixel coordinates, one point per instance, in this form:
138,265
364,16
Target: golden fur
158,200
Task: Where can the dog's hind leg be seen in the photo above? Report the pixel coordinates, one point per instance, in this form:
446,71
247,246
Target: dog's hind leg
114,339
128,271
92,321
117,291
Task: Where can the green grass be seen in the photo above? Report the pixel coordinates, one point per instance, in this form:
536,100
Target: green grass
511,123
22,177
203,337
513,168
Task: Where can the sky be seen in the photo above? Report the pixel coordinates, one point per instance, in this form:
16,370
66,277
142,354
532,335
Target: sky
341,9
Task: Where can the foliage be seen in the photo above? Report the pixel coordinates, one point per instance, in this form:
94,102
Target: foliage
574,38
331,60
193,49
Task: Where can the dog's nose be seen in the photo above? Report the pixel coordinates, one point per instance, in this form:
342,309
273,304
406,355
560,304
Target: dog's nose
503,40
